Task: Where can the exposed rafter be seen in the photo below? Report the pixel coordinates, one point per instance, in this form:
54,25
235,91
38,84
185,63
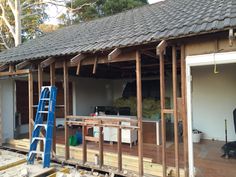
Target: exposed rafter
78,68
161,46
149,54
95,65
114,53
47,62
77,59
4,67
22,64
11,68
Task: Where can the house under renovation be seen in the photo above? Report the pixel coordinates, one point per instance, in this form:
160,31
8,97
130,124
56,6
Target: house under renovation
131,88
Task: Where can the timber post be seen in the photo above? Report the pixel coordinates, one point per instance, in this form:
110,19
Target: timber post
139,112
160,49
52,82
66,108
30,90
175,110
184,109
40,84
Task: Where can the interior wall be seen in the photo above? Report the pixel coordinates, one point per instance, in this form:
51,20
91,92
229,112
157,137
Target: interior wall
7,103
90,93
213,100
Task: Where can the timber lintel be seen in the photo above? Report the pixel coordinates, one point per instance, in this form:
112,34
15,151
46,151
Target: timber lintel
47,62
17,72
114,54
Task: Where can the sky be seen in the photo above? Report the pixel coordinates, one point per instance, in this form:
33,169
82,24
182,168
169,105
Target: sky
56,12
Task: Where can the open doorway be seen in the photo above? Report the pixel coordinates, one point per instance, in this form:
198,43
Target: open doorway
211,85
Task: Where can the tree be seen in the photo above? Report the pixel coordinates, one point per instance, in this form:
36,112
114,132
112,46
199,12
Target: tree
85,10
20,19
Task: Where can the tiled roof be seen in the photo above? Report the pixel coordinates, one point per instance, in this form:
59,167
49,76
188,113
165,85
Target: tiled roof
162,20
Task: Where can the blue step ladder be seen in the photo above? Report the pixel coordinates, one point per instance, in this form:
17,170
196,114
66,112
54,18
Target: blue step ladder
46,109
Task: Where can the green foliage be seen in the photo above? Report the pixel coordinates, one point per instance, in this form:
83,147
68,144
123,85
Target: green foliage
111,7
34,16
92,9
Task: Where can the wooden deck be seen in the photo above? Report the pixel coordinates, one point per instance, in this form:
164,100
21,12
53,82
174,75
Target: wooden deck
208,160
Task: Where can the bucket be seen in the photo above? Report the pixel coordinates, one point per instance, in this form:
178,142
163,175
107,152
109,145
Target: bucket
196,137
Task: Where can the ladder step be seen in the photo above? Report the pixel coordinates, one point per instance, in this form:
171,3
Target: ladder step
45,99
44,112
41,125
38,138
37,152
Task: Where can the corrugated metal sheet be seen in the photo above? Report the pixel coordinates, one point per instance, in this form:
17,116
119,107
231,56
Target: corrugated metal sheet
169,18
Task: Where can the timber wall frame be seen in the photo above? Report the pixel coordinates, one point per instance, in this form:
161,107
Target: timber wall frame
117,55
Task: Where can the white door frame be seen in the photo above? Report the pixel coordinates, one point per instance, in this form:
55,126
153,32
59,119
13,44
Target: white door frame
200,60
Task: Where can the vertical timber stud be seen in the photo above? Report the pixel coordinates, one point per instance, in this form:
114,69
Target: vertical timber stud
40,84
139,112
119,140
161,48
174,82
40,79
184,110
100,147
30,90
66,108
52,82
84,143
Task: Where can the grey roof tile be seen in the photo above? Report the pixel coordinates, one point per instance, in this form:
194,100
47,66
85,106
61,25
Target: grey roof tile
169,18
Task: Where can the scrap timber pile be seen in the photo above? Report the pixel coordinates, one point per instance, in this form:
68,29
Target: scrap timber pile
13,164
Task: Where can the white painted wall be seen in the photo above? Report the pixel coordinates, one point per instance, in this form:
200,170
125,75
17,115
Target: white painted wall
90,93
213,100
7,102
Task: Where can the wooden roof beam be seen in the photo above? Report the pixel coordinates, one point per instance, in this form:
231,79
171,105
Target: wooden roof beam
4,67
11,68
18,72
149,54
161,47
95,65
78,58
114,54
23,64
47,62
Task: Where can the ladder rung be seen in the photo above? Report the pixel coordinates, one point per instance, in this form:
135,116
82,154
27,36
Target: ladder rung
41,125
39,138
45,99
44,112
36,152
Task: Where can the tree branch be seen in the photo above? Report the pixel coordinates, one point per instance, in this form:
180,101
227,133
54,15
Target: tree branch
4,43
6,21
52,2
29,15
11,4
82,6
